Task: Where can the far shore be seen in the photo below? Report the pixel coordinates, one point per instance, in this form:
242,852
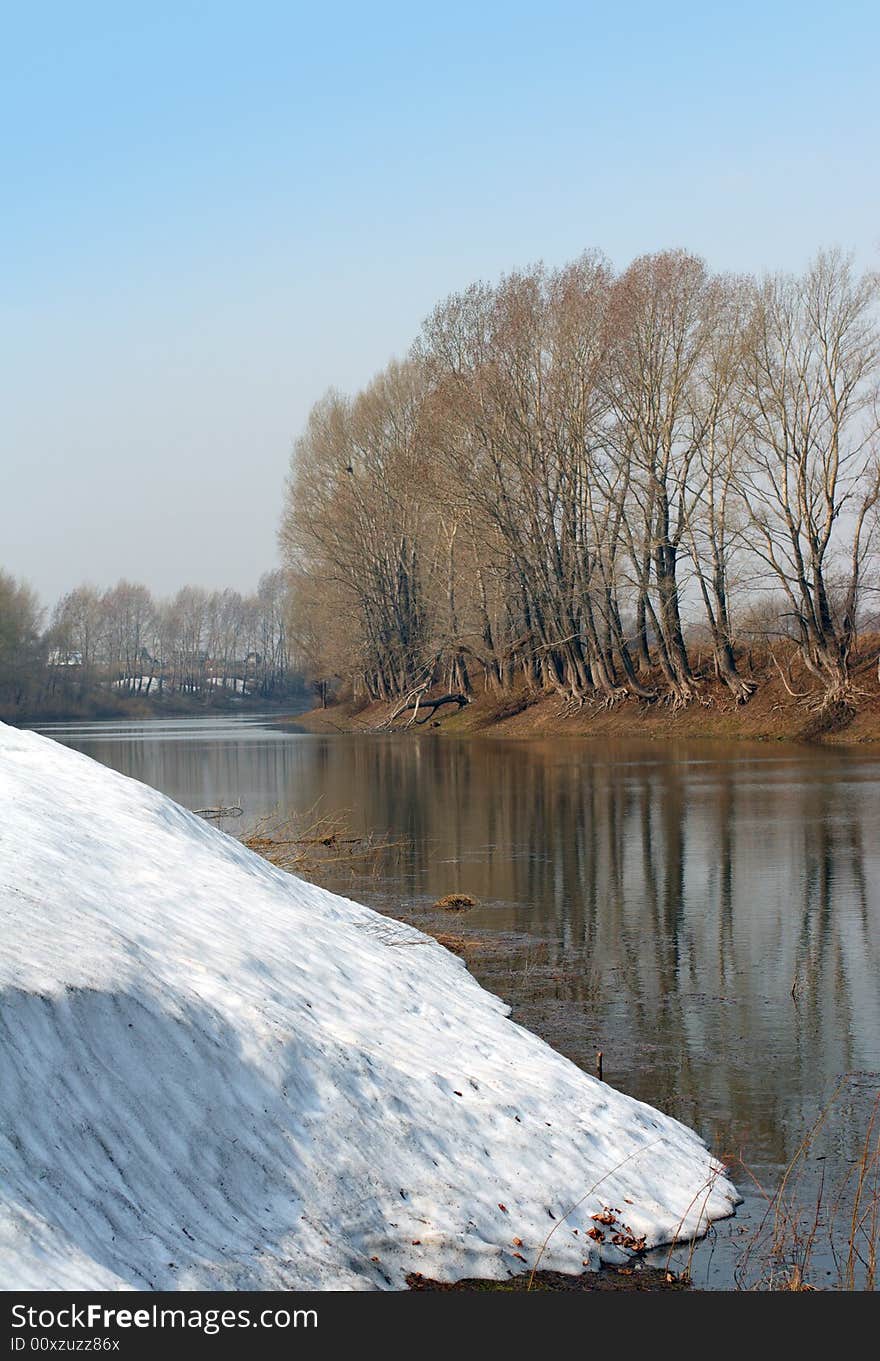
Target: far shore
133,708
771,715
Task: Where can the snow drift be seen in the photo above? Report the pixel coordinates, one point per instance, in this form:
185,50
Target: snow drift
213,1075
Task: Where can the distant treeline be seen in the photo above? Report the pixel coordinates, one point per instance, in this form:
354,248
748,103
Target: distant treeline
106,651
577,477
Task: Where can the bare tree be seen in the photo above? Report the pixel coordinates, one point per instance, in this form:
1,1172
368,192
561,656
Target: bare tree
21,651
572,469
718,512
355,519
76,637
812,478
128,629
658,333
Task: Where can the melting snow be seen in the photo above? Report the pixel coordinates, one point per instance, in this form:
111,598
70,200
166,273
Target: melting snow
216,1076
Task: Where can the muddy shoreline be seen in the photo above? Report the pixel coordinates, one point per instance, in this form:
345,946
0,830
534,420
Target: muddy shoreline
772,715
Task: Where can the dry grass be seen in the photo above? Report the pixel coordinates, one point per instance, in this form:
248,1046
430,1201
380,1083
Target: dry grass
840,1222
319,846
456,902
458,944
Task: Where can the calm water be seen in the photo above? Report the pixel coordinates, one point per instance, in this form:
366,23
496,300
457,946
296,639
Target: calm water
655,901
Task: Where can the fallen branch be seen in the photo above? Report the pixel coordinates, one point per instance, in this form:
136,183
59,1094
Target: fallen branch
454,697
435,704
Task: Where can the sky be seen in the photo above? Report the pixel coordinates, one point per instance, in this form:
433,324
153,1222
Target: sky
213,212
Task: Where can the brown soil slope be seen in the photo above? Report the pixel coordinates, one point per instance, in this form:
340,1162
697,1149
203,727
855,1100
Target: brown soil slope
772,714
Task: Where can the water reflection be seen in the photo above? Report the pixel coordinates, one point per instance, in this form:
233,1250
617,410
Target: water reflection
680,894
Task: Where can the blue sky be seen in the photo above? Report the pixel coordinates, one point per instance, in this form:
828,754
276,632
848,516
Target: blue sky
213,212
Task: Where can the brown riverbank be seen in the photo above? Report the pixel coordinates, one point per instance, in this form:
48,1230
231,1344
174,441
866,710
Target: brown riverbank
773,714
636,1277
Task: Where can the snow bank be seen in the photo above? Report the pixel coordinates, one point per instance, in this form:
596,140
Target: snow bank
214,1075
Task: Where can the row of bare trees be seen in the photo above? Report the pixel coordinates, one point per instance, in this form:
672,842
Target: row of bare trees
122,640
575,473
21,650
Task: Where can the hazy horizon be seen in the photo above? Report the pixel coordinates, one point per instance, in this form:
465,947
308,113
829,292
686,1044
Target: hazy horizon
212,222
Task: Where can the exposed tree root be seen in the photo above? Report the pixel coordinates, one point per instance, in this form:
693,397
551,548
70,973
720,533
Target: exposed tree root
680,694
826,722
742,690
601,702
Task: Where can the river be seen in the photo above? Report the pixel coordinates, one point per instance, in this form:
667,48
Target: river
706,914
